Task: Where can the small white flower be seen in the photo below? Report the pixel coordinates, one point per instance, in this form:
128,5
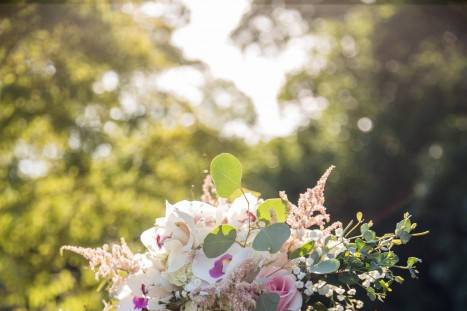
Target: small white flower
366,283
308,292
359,304
296,270
325,290
301,275
299,284
309,285
351,291
340,297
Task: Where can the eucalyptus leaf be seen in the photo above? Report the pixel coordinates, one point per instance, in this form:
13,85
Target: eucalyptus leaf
226,172
267,302
272,210
404,237
325,267
271,238
219,241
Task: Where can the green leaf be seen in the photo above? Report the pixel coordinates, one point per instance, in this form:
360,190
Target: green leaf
370,291
226,172
302,251
359,216
219,241
267,302
369,236
271,238
411,261
325,267
388,259
272,210
348,278
404,237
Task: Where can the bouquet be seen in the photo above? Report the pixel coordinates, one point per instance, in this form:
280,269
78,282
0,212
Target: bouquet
234,251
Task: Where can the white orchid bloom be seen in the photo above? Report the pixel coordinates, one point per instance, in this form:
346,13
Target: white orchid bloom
212,270
145,289
184,228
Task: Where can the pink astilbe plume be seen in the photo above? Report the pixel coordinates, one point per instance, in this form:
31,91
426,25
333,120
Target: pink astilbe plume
310,210
108,261
236,292
209,191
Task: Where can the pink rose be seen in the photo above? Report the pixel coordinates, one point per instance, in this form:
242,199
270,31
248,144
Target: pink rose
281,282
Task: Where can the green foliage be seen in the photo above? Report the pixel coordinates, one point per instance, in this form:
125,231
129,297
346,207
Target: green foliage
226,172
267,302
272,210
219,241
326,267
302,251
271,238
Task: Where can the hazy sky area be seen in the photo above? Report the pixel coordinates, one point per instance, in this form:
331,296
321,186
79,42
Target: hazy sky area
207,38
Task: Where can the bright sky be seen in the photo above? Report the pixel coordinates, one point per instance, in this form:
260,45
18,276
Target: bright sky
207,38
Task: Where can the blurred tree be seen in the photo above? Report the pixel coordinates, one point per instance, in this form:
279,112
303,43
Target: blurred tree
384,98
89,146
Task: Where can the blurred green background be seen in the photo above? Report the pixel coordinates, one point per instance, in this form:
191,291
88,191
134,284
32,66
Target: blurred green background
90,148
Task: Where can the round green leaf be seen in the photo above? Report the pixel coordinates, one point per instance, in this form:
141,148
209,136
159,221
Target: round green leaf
267,302
219,241
226,172
271,238
325,267
272,210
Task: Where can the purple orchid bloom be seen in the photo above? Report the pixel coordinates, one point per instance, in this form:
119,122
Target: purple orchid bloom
140,303
218,269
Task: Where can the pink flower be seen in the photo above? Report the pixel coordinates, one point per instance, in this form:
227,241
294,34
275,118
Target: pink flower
281,282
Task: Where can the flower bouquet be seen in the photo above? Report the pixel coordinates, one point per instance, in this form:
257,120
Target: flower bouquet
235,251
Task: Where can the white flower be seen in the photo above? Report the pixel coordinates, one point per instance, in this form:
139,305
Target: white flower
301,275
237,214
179,277
183,229
145,289
296,270
299,284
315,235
308,292
193,284
212,270
351,291
359,304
